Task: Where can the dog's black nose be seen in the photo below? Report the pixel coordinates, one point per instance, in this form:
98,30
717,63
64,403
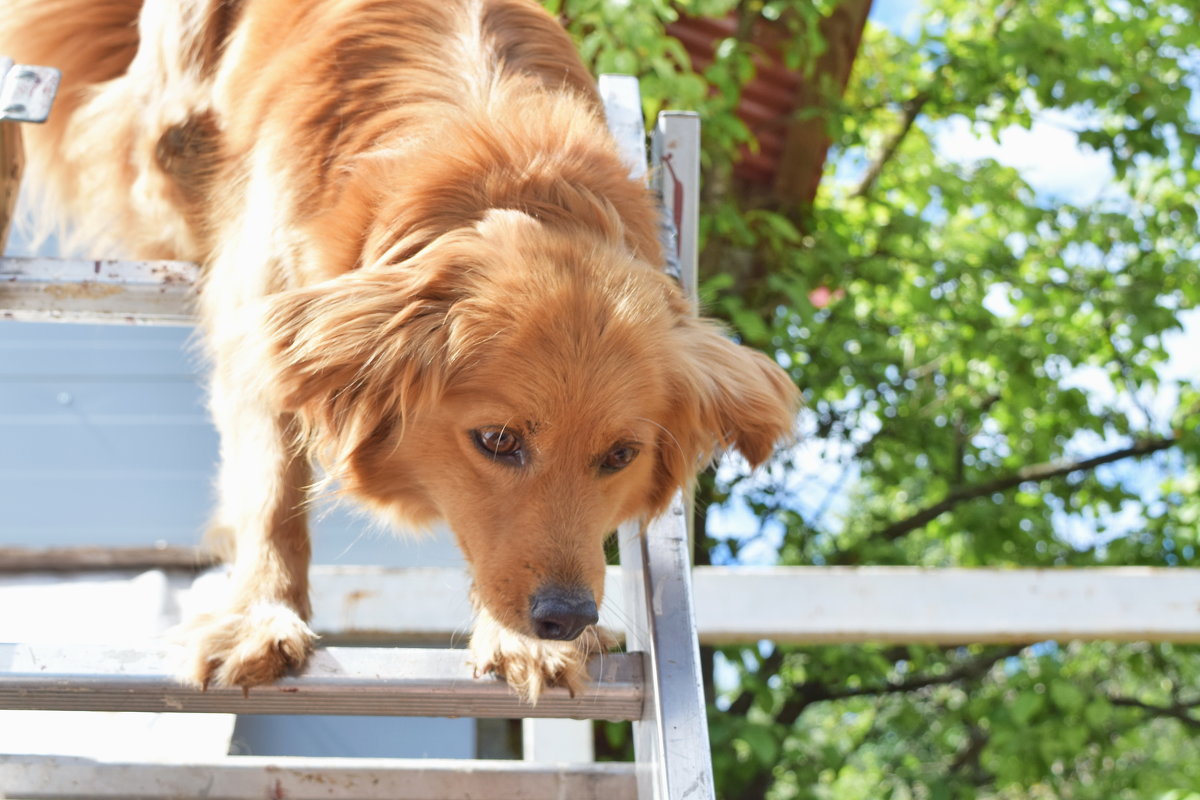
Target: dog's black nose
561,613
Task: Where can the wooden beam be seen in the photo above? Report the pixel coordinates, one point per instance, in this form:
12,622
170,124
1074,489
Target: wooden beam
12,163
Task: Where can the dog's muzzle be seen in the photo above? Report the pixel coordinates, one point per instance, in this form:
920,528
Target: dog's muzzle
561,613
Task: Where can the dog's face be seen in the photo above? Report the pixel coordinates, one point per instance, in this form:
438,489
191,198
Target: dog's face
531,387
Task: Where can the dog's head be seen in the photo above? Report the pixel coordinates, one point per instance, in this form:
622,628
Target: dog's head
532,386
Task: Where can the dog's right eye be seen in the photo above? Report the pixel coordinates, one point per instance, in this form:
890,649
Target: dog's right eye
500,444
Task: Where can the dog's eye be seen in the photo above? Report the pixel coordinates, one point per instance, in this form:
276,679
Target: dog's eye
500,444
618,458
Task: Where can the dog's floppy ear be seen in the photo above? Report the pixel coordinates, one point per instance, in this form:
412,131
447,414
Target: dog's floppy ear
360,351
725,395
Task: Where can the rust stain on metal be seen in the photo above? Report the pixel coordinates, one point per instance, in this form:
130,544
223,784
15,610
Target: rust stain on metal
357,596
171,275
83,290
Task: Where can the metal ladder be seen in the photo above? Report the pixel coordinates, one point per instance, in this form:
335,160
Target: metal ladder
656,684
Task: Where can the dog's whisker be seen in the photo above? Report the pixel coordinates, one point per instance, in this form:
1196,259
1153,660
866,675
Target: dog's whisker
665,430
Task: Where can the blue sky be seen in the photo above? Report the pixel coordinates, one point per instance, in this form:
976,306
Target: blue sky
901,16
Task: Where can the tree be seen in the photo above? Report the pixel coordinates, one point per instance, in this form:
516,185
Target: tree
986,368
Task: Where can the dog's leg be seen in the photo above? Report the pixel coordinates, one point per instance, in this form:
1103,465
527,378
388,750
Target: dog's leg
530,665
262,491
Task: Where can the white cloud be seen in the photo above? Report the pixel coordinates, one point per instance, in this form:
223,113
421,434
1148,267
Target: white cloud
1048,154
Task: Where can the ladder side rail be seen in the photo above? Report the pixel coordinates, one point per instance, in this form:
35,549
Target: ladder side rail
671,740
675,154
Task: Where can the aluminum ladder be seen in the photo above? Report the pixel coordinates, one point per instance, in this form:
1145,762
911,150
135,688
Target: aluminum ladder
656,684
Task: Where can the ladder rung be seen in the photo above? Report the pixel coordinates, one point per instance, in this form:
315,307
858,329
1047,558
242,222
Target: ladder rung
253,778
61,290
337,680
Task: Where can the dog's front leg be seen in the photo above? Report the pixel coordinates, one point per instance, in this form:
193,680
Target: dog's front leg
264,477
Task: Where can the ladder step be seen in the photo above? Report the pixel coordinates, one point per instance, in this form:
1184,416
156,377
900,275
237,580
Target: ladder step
337,680
254,778
64,290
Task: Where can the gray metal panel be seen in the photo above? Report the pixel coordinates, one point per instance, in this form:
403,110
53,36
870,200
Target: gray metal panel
105,440
246,778
104,436
336,680
353,737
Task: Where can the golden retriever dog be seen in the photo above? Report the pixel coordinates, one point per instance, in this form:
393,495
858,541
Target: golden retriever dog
425,269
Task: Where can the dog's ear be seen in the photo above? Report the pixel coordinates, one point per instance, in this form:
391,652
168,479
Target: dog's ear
724,395
364,350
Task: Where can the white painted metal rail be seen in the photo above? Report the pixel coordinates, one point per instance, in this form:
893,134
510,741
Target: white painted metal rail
810,605
379,606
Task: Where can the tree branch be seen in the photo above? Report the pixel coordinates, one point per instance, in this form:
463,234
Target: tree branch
1037,472
1178,711
912,109
808,693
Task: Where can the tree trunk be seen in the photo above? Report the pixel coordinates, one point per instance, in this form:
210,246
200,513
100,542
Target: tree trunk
807,140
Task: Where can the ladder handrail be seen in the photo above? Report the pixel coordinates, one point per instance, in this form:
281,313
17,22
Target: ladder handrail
671,740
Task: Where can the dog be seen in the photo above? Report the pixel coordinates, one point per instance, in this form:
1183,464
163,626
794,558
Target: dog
425,270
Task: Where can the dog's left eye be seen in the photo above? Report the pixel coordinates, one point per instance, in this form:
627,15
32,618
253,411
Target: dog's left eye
500,444
618,458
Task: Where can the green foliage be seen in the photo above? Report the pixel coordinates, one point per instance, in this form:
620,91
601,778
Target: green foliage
939,315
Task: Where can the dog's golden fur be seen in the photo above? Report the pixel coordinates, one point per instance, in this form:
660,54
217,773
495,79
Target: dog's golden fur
414,227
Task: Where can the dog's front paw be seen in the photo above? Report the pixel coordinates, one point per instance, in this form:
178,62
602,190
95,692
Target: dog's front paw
245,647
530,665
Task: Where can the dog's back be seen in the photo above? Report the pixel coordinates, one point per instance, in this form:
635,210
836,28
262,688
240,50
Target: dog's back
168,107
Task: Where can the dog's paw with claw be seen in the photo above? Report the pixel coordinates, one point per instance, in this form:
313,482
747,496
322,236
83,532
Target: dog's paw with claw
530,665
246,647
